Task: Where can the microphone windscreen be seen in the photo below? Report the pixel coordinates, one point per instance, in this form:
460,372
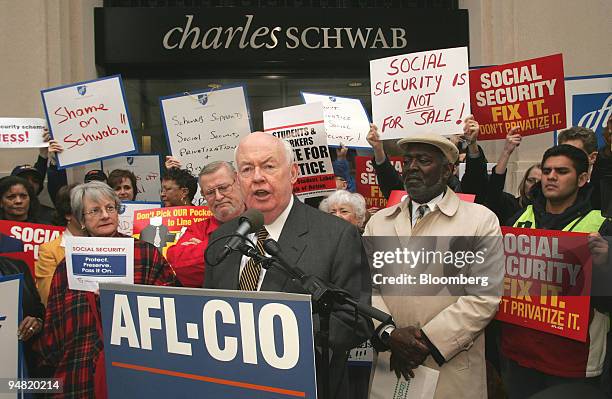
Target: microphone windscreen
255,218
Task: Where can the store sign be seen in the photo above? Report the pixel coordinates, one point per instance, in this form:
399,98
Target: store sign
292,37
218,37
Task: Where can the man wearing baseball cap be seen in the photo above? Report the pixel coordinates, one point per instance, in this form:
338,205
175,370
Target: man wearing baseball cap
31,174
444,329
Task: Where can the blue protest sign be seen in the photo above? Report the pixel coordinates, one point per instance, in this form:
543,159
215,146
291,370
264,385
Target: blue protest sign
159,341
99,266
589,102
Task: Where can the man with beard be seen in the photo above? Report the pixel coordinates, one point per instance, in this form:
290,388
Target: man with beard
218,187
443,332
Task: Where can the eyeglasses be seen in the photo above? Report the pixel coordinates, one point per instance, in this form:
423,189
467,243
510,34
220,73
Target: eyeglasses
97,212
166,189
223,189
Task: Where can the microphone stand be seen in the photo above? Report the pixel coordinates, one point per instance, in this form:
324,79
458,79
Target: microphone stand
324,297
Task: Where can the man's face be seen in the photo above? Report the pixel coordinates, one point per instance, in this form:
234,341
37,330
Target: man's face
265,176
222,194
559,178
341,184
580,144
424,172
34,181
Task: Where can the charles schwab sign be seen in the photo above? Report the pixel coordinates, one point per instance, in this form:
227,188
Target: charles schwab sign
274,37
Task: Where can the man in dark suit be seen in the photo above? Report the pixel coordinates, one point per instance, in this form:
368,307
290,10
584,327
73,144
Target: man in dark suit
318,243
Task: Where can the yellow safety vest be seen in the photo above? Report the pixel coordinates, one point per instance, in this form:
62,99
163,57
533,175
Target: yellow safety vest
589,223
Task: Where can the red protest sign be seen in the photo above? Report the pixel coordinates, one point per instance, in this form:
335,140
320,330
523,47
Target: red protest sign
32,234
367,181
548,281
529,94
162,227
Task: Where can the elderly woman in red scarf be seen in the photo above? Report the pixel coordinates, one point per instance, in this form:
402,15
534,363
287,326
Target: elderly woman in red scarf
71,341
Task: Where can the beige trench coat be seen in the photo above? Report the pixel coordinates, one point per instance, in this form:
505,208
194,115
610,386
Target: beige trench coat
454,324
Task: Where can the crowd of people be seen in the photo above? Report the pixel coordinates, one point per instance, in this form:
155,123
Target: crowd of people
62,327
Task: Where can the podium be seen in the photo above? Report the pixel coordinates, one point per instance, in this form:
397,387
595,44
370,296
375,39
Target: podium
167,342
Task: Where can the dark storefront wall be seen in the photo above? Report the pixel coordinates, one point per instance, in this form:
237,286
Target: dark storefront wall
130,41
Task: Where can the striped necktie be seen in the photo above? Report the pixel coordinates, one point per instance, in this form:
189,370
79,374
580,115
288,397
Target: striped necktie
420,213
249,278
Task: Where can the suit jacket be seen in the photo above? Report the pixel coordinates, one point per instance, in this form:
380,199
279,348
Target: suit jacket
453,321
322,245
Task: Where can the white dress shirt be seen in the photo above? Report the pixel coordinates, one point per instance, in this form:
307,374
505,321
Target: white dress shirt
431,206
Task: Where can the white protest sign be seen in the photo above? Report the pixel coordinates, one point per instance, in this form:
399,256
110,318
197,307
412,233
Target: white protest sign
202,127
9,323
346,121
386,385
76,174
420,93
126,214
90,120
147,171
302,126
22,133
91,260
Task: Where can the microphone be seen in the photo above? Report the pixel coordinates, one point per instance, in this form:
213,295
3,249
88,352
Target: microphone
249,222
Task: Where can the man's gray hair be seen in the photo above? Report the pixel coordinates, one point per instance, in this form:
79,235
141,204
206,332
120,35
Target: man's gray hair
288,152
215,166
94,191
356,201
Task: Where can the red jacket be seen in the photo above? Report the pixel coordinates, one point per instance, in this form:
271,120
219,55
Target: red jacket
188,259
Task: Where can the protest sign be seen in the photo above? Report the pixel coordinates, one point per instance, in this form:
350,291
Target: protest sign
420,93
589,103
22,133
27,257
32,234
10,316
302,126
346,120
367,181
205,126
76,174
147,170
163,227
90,120
230,344
529,94
548,281
126,214
91,260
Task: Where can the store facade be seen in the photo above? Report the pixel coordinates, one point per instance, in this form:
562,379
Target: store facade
275,52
